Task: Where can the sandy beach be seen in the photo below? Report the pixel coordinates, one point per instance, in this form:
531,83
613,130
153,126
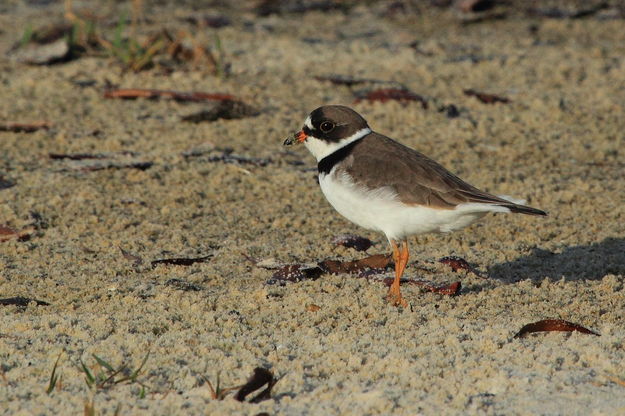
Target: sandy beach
147,240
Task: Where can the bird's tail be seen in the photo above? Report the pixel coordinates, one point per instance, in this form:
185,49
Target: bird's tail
516,206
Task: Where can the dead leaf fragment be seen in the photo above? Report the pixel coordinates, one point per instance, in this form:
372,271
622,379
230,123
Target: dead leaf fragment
182,261
183,285
396,94
452,289
136,260
226,110
548,325
25,127
21,301
352,241
378,262
311,307
134,93
8,233
458,263
259,378
486,98
295,273
5,183
475,6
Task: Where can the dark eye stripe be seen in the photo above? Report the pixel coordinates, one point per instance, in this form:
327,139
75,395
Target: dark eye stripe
306,130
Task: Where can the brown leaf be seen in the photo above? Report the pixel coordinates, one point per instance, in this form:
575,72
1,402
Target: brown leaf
556,13
259,378
226,110
452,289
182,261
311,307
385,94
133,93
21,301
25,127
5,183
486,98
376,262
226,156
295,273
76,156
213,21
548,325
458,263
136,260
8,233
475,6
113,165
183,285
352,241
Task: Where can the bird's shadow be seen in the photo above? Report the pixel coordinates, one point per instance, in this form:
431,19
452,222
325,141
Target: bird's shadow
587,262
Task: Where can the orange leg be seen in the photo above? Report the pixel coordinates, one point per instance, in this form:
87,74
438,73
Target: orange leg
400,257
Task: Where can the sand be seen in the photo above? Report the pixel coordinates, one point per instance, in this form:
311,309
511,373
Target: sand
557,143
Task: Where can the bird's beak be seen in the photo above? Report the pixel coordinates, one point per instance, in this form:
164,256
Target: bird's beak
299,137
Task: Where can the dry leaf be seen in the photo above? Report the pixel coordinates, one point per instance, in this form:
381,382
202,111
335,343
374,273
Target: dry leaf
548,325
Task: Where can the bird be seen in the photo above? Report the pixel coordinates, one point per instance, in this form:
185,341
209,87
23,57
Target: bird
385,186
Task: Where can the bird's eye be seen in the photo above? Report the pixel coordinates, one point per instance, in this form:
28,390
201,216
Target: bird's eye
326,126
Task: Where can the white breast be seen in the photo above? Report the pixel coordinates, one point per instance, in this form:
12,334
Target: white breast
381,210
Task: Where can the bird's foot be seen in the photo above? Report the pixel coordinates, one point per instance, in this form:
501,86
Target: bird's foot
395,298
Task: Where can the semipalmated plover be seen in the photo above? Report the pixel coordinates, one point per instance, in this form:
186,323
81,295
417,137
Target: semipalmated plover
382,185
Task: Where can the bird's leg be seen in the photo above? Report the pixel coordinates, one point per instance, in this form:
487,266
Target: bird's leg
400,257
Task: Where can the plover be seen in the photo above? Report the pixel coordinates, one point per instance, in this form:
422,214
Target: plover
382,185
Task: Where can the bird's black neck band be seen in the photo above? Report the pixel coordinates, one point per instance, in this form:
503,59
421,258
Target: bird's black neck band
326,164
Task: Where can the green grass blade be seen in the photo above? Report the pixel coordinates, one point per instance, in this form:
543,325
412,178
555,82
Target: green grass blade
53,377
103,363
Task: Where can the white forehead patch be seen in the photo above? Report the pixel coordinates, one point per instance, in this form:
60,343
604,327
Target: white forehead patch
308,123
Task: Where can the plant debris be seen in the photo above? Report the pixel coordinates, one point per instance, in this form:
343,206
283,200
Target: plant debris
377,262
548,325
396,94
21,301
183,285
556,13
134,93
76,156
25,127
486,98
212,21
363,268
311,307
349,81
269,7
8,233
259,378
475,6
225,109
114,165
451,289
458,263
136,260
5,183
226,156
356,242
295,273
182,261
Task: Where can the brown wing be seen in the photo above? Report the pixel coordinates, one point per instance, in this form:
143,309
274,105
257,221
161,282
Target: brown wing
417,179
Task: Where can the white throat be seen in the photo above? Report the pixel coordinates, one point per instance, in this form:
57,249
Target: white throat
321,149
